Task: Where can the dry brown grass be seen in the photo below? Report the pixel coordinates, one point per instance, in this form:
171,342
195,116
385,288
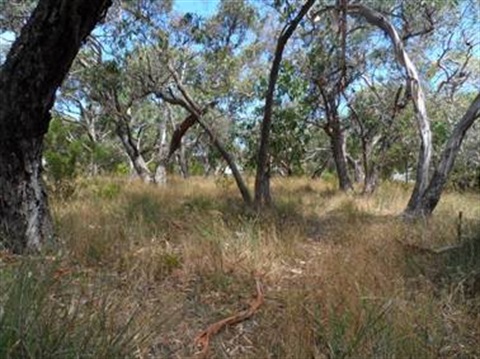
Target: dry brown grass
341,278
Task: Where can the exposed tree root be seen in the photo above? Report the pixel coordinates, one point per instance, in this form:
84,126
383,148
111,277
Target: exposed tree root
202,340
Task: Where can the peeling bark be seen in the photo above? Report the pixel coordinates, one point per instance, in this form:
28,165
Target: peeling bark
34,69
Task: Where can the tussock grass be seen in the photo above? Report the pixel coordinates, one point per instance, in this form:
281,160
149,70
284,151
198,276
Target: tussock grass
141,270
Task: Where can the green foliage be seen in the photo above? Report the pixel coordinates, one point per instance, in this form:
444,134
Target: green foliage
43,316
342,337
61,151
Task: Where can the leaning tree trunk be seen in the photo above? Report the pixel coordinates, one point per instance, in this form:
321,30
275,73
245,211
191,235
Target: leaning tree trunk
34,69
262,179
418,97
425,205
191,106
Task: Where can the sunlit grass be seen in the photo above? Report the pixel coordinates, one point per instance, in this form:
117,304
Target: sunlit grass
342,274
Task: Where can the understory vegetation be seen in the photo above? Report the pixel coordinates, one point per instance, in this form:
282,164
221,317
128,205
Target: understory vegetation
140,271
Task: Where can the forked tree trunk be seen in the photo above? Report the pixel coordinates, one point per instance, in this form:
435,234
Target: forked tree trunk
425,204
34,69
133,152
262,178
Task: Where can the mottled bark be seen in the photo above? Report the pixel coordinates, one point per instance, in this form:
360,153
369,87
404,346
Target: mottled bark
337,141
425,204
183,162
356,166
34,69
262,179
371,179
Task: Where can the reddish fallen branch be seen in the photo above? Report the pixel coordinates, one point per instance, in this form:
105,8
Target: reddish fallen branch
202,340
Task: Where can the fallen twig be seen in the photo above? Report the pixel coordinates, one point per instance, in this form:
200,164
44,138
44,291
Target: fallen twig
203,339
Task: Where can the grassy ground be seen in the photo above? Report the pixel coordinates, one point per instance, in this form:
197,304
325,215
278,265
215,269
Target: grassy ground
140,271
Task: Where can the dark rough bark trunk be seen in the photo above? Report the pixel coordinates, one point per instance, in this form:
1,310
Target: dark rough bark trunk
262,178
34,69
24,216
425,204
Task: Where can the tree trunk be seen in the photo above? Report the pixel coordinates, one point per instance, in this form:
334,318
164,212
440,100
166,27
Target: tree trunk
337,140
370,165
262,179
424,205
133,152
230,161
371,179
163,156
418,98
34,69
182,161
358,172
191,106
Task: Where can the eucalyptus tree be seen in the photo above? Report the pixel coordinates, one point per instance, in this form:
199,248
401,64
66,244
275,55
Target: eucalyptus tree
192,64
34,69
262,178
382,129
336,59
426,192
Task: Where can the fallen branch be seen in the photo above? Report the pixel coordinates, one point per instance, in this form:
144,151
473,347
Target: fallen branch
425,250
202,340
